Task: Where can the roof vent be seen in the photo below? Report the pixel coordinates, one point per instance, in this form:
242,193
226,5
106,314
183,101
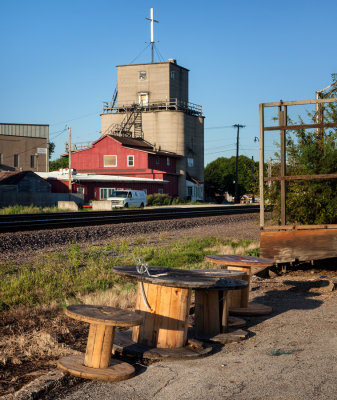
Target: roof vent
172,60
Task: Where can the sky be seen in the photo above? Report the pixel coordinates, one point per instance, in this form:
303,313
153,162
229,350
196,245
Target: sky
58,60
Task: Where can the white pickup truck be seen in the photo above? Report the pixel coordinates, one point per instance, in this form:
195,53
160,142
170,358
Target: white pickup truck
128,198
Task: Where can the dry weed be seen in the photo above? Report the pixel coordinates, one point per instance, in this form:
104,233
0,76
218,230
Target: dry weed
233,249
113,297
31,345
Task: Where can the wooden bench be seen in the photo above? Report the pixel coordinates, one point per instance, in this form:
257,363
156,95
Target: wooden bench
97,362
239,301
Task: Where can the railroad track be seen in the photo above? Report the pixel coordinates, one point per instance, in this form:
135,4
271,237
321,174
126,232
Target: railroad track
27,222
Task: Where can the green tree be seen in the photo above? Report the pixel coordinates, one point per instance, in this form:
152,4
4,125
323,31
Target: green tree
220,175
60,163
51,149
309,153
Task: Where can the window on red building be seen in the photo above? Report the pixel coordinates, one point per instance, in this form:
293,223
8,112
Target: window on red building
110,161
81,190
104,193
168,161
131,161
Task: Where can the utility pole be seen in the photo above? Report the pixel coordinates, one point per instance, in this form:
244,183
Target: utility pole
253,179
237,197
69,159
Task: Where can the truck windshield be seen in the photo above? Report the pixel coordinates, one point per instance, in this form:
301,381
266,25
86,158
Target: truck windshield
119,193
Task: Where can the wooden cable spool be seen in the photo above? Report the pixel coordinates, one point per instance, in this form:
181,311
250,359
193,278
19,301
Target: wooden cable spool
239,300
164,297
97,363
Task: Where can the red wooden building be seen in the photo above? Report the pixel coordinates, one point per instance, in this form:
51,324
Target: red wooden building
114,162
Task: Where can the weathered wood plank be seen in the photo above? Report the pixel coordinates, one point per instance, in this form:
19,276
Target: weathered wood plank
298,102
298,227
301,245
299,177
299,127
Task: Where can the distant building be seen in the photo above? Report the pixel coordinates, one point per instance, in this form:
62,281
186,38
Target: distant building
116,162
25,181
24,147
151,102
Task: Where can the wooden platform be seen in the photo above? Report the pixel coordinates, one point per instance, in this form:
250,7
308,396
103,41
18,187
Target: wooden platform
124,345
299,245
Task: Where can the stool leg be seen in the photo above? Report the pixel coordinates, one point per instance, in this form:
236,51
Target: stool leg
99,346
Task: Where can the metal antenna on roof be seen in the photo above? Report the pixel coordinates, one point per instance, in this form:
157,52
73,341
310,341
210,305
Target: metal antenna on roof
152,36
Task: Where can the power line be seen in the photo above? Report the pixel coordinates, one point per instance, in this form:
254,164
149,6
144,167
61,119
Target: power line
58,133
74,119
219,147
219,127
223,151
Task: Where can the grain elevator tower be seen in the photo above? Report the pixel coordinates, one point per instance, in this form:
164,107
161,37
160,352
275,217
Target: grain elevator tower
151,103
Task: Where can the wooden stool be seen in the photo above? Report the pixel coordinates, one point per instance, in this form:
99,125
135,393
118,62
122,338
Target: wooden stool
97,363
239,301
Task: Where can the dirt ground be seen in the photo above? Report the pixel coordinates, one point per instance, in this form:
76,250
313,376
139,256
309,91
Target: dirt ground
290,354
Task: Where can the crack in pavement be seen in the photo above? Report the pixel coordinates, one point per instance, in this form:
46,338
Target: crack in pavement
168,382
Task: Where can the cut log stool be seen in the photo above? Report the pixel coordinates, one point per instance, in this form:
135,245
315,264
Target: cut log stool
239,301
97,363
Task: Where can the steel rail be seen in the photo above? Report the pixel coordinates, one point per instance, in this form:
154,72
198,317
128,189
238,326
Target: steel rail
27,222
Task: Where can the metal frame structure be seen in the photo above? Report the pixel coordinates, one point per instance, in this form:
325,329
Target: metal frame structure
283,127
168,104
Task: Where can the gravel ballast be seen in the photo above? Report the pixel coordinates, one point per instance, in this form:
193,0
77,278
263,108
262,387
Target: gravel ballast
226,226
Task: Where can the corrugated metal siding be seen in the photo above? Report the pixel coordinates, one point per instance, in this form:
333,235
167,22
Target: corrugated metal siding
36,131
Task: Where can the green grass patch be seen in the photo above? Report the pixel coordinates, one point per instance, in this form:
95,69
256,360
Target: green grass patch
77,271
28,210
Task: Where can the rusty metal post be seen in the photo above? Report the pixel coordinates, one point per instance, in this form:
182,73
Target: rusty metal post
283,122
69,159
261,163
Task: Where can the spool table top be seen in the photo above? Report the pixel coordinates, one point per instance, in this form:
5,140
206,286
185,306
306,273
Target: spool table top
191,279
103,315
239,261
